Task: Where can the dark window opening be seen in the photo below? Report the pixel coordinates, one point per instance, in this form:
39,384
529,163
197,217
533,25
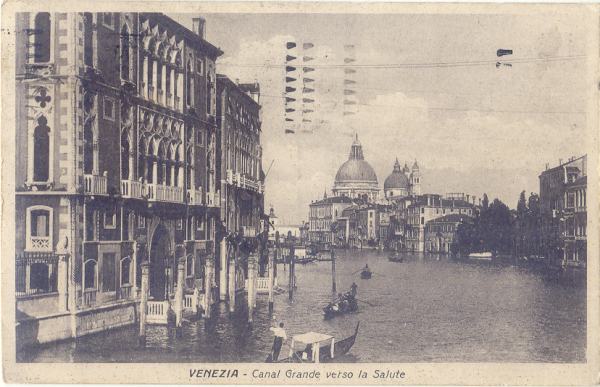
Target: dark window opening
41,151
42,37
125,53
108,272
88,45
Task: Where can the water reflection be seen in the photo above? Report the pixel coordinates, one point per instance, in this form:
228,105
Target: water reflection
425,309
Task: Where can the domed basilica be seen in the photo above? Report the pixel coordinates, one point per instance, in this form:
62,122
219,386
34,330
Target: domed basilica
356,179
402,182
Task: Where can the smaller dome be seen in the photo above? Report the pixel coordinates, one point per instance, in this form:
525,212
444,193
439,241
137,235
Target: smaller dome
415,166
397,179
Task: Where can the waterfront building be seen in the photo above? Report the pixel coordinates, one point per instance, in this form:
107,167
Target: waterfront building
322,214
421,209
240,176
402,183
356,178
441,232
563,211
117,166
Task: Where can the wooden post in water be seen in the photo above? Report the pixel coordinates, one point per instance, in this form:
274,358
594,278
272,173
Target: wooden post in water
179,294
223,270
291,268
271,279
208,280
251,268
333,287
232,280
143,303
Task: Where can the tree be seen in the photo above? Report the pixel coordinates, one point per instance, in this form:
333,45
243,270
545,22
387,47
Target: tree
485,202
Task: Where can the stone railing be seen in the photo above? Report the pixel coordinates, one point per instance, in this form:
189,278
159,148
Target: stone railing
89,297
194,196
163,193
156,312
132,189
212,199
95,184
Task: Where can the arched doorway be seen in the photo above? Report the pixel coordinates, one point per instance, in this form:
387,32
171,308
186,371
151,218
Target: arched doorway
160,257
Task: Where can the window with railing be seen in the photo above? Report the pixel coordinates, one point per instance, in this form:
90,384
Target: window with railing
35,273
39,229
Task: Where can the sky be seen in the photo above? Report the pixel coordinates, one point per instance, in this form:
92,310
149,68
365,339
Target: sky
427,89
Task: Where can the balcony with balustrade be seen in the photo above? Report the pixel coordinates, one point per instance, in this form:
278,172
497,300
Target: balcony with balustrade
163,193
131,189
212,199
95,184
195,197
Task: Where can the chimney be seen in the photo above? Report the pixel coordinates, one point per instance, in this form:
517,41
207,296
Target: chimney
467,198
199,24
559,161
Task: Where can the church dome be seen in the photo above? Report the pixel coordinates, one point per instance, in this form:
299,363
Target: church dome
356,169
397,179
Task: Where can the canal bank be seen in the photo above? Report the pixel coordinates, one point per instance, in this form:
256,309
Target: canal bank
425,309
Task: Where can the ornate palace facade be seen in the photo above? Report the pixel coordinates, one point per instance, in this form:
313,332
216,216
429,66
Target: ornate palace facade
118,160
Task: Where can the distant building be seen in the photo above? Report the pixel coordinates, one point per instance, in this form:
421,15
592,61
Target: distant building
400,183
440,232
322,214
421,209
563,210
356,178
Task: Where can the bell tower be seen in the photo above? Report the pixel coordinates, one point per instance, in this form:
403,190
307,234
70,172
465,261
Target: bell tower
415,179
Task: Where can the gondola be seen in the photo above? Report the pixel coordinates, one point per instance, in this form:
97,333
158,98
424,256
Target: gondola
305,260
366,274
348,304
317,348
396,258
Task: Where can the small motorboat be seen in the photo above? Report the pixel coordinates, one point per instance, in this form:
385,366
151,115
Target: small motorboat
366,274
313,347
346,304
484,256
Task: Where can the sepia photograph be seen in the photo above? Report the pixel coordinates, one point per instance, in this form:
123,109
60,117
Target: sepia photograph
258,186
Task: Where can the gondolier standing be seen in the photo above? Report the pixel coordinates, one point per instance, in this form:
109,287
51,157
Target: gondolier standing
280,335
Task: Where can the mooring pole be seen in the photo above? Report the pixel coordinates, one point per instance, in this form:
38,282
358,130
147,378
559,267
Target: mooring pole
271,280
143,303
333,287
291,283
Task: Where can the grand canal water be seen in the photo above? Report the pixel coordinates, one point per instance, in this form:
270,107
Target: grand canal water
426,309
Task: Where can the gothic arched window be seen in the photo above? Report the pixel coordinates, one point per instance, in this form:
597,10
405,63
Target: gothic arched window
42,37
41,150
125,157
190,83
88,149
125,53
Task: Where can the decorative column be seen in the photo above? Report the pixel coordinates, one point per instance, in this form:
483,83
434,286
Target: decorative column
232,281
154,79
145,77
131,164
179,292
62,282
155,171
208,282
144,303
223,271
134,259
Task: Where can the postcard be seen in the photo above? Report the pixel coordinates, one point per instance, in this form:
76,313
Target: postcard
300,193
